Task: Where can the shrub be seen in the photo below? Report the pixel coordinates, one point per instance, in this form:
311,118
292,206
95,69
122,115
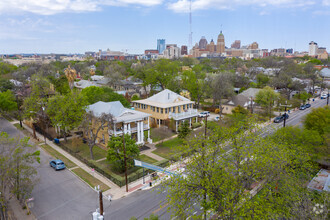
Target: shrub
217,111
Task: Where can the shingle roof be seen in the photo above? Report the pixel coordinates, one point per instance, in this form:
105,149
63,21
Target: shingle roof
250,92
117,110
325,72
239,100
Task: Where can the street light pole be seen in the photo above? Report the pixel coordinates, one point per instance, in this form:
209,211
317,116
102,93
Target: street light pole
251,105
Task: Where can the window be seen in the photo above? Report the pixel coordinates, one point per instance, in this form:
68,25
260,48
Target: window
169,110
157,109
161,110
184,107
153,108
173,109
165,110
103,140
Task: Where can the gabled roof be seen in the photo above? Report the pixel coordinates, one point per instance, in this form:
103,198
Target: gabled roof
165,98
239,100
250,92
117,110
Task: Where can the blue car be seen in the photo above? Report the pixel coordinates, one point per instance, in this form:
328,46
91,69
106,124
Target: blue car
303,107
57,164
308,105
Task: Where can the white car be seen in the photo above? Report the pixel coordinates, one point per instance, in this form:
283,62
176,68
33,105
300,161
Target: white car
204,114
324,96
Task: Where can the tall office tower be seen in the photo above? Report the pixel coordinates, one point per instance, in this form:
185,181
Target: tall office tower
236,44
221,43
202,43
184,50
313,49
161,45
211,47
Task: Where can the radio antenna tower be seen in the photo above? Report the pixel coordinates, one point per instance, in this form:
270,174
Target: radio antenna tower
190,26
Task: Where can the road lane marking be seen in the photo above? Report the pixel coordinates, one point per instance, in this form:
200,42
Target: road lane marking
160,208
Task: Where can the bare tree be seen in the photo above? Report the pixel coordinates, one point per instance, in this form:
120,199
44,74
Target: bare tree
92,125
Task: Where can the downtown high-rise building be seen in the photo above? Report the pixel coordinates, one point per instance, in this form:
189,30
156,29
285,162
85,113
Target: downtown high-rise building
236,44
161,45
221,43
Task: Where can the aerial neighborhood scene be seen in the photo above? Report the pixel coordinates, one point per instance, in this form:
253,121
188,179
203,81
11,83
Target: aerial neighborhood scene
164,110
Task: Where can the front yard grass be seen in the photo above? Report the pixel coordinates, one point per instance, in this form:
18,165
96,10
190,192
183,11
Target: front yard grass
158,134
89,179
168,149
106,166
83,150
57,155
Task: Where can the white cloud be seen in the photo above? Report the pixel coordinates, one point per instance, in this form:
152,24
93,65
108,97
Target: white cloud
326,2
183,5
48,7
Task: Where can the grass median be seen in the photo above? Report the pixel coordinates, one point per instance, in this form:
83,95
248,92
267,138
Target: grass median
57,155
89,179
168,148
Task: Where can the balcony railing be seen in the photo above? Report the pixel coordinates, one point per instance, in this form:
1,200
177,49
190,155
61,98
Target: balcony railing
132,130
186,114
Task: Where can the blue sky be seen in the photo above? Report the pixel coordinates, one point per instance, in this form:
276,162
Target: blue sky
76,26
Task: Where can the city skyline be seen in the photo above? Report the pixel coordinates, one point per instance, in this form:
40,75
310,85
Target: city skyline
70,26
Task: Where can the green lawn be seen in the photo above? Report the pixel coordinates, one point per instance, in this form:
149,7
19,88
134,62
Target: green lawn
83,149
158,134
168,148
88,178
58,155
106,166
17,125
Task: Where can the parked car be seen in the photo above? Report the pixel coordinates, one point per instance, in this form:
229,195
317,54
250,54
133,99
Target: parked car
302,107
217,118
324,96
308,105
280,118
57,164
204,114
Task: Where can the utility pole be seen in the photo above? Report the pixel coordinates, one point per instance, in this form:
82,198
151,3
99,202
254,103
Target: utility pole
251,105
101,202
125,161
286,105
19,111
328,97
204,168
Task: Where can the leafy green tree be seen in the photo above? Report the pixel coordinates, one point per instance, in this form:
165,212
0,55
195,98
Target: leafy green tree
5,85
94,94
304,96
262,80
266,98
220,181
165,72
318,120
6,68
7,101
284,81
195,83
116,152
66,112
17,169
184,130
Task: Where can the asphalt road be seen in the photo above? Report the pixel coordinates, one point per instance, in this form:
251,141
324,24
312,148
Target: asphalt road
58,194
61,195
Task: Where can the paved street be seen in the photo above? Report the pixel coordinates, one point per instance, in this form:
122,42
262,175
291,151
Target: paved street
58,195
61,195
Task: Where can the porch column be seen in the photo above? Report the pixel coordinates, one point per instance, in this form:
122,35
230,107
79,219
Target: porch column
176,126
129,128
138,132
190,123
196,119
125,128
114,129
142,132
159,122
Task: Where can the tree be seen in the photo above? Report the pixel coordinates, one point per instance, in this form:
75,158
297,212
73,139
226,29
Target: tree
165,72
220,180
195,83
66,112
92,125
304,96
7,101
284,81
222,88
17,170
266,97
318,120
5,85
94,94
312,74
262,80
116,152
184,130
